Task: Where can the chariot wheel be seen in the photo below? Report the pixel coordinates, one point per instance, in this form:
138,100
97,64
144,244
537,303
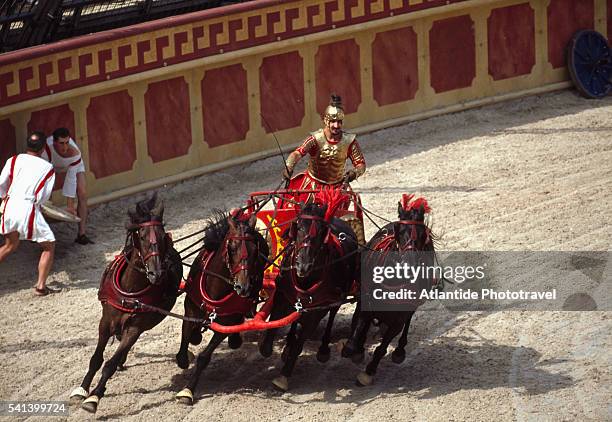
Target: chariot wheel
589,61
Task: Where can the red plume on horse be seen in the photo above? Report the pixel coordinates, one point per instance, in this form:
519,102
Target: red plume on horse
334,198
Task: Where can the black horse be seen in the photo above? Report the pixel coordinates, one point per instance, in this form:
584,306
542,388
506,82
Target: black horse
409,234
148,271
316,275
223,284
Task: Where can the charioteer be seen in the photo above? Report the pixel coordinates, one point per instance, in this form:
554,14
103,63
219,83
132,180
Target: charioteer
329,148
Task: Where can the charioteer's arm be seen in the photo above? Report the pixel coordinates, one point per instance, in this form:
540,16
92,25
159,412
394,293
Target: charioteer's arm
307,146
358,161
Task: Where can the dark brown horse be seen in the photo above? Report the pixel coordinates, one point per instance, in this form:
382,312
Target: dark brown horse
409,234
316,275
148,271
223,285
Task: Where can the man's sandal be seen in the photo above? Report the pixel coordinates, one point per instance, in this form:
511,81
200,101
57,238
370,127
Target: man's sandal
44,291
82,239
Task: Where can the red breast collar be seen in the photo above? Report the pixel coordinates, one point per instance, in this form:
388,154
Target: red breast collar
111,292
230,304
322,292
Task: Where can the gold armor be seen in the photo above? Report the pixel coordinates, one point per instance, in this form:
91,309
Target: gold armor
328,156
329,164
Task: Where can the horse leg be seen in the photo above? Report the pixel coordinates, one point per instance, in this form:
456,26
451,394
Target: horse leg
399,354
187,333
128,338
185,396
365,378
355,317
324,352
234,341
354,348
289,340
305,328
80,393
121,365
190,333
267,342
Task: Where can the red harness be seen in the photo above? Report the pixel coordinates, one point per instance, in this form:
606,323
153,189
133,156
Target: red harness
387,243
110,290
231,304
323,292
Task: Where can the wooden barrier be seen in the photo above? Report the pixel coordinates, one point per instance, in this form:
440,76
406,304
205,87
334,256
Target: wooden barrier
170,99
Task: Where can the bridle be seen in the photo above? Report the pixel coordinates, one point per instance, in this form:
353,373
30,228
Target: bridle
312,234
243,263
413,235
152,241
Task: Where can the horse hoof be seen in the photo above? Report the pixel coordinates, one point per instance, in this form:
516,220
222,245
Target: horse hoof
363,379
341,345
91,404
234,341
357,358
398,356
185,396
281,383
78,395
323,356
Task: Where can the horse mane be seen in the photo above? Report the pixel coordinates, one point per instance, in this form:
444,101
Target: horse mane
149,209
333,197
215,230
218,226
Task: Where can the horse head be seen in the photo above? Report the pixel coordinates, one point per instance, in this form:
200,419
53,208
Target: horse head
241,251
313,228
411,233
148,237
310,232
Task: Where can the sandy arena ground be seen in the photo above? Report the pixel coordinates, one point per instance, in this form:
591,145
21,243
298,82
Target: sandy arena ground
532,174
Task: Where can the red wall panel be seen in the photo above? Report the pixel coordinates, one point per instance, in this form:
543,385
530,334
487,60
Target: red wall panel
8,141
565,17
281,86
168,119
49,119
452,53
110,129
337,70
511,40
225,105
395,75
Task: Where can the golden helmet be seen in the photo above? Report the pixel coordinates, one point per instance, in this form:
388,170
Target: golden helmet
334,111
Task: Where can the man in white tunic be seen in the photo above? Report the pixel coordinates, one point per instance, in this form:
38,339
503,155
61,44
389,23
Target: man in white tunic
64,154
26,182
